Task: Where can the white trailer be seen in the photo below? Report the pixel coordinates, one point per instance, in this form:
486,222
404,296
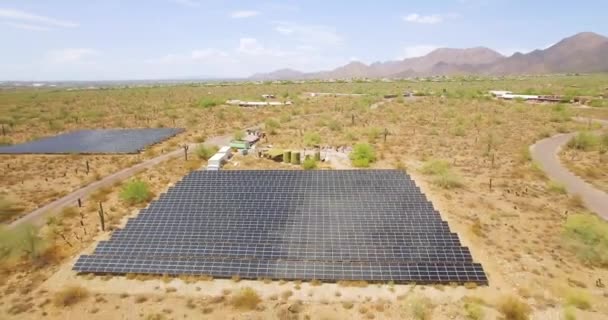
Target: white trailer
216,161
226,151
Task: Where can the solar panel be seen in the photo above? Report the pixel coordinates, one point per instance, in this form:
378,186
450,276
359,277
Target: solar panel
373,225
94,141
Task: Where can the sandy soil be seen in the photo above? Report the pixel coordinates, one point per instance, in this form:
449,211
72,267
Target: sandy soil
513,228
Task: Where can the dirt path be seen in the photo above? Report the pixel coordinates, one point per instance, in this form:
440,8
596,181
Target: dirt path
37,217
546,151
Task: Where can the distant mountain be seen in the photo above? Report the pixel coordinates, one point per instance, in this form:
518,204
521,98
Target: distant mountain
585,52
283,74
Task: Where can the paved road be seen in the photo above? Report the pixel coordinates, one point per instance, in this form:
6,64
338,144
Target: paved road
38,216
546,151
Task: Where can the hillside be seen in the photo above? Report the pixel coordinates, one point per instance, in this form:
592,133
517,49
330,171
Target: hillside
583,53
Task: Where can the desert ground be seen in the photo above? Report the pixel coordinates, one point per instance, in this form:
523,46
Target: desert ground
544,253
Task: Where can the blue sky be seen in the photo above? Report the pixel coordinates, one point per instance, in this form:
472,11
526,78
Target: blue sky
154,39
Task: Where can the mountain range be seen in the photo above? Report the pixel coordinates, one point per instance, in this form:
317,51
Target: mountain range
585,52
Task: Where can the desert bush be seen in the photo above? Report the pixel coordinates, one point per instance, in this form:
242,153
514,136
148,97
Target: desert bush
206,103
443,175
334,125
312,139
584,141
205,152
373,134
587,236
22,241
309,164
239,135
435,167
362,155
579,299
420,308
513,308
271,125
8,209
5,141
473,311
246,299
556,187
448,180
70,296
135,191
569,314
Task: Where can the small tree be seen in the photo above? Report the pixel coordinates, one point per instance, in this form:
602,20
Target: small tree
204,152
239,135
135,191
312,139
362,155
309,164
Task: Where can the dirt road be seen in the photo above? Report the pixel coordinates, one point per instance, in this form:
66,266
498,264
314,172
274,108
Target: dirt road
38,216
546,151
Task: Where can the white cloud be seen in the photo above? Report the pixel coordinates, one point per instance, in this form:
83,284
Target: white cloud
72,55
207,53
423,19
417,51
248,56
244,14
283,30
251,46
310,34
196,55
26,26
187,3
22,16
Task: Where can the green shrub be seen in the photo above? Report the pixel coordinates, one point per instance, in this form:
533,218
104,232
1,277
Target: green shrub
448,180
587,236
312,139
309,164
362,155
584,141
513,308
19,241
556,187
435,167
135,191
473,311
271,125
239,135
579,299
209,103
569,313
205,152
443,175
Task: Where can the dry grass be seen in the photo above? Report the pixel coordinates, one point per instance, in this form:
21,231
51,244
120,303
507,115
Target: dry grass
513,308
70,296
246,299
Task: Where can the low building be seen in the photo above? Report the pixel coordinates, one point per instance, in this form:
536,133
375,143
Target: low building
499,93
520,97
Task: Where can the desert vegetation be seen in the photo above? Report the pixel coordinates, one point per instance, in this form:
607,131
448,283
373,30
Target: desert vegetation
543,251
586,154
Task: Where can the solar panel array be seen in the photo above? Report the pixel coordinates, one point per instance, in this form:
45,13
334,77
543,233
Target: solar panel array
95,141
373,225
